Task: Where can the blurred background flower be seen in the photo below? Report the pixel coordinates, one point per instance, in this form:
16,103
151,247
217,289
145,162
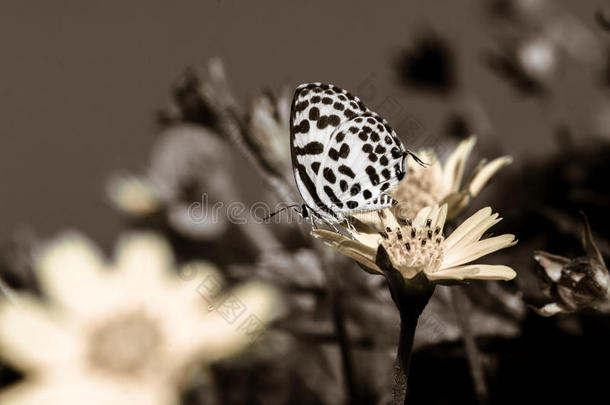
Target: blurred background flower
123,332
435,183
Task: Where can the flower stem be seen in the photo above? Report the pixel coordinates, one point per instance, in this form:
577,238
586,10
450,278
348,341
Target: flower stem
410,297
461,306
403,358
344,346
335,292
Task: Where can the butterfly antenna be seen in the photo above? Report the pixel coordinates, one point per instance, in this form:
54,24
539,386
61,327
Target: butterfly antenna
417,159
279,211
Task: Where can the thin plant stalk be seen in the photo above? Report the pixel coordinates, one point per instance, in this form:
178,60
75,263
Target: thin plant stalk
345,347
461,306
411,298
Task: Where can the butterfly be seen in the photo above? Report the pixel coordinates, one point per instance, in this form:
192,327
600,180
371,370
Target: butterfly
345,157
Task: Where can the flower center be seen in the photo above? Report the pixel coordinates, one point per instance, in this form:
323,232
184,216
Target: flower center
420,188
124,345
414,248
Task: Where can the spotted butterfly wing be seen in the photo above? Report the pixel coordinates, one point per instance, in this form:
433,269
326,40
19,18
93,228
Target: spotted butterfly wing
345,157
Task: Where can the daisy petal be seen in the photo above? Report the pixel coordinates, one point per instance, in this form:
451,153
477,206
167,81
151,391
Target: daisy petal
422,216
474,272
477,232
92,391
440,216
486,172
456,202
143,254
70,270
372,219
32,338
477,250
238,320
467,226
366,260
454,167
358,247
329,235
198,281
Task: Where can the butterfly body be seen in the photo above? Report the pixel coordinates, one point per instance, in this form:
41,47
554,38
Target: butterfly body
345,157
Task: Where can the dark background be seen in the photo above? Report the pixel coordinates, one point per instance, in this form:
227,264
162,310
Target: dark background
80,82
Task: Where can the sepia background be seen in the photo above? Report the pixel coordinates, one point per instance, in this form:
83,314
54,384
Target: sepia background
80,82
87,92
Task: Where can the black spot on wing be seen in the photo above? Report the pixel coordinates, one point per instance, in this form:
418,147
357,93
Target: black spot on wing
312,148
343,169
335,154
329,175
373,176
330,193
301,106
311,189
302,127
314,113
349,113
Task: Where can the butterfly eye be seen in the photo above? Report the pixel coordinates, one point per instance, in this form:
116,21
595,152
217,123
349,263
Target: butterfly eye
396,153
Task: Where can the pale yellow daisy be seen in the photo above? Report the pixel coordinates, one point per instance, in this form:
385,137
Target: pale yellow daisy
133,195
437,183
124,332
418,246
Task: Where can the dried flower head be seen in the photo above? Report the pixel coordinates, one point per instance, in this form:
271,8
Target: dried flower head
440,184
125,332
576,284
418,245
189,171
269,128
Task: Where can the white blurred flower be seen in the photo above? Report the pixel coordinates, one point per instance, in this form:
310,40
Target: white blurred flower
269,128
123,332
188,181
538,58
442,183
418,245
133,195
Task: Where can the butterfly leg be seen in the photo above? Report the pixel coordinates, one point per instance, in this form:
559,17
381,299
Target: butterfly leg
314,227
350,226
